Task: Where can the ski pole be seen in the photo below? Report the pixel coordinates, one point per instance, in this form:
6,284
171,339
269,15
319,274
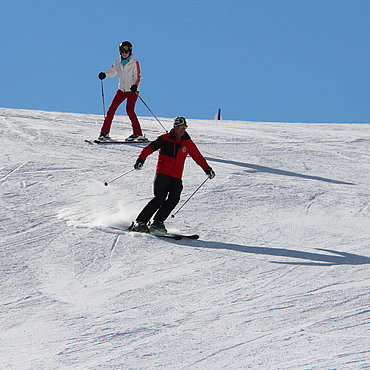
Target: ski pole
173,215
116,178
102,94
152,112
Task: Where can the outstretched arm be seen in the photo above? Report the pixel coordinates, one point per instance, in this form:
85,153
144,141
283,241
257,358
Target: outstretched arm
200,161
147,150
112,71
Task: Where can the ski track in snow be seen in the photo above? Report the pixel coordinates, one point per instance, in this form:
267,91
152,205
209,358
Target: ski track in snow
15,169
279,278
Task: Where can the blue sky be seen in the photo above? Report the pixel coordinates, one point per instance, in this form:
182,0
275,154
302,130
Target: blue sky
257,60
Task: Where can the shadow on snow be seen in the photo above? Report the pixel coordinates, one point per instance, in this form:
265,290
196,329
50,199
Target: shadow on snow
276,171
316,259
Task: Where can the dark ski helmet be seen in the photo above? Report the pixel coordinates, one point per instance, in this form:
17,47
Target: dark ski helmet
125,45
180,121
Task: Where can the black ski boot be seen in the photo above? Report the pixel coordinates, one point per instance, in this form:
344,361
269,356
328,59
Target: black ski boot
104,136
158,226
140,227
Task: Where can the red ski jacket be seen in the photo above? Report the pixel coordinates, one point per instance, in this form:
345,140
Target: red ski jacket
172,154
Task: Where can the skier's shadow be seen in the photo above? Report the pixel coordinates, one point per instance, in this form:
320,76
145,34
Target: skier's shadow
316,259
276,171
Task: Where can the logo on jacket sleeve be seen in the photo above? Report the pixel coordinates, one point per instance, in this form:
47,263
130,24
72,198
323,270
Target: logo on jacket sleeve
183,149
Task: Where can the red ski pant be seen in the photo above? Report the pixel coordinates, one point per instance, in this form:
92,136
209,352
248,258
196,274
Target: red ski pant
130,109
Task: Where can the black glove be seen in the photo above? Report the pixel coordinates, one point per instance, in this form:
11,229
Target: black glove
133,88
102,75
139,164
210,173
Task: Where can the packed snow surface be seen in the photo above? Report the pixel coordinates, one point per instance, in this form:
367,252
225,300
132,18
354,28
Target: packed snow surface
278,279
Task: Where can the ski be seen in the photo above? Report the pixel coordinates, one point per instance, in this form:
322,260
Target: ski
176,235
116,141
186,236
158,234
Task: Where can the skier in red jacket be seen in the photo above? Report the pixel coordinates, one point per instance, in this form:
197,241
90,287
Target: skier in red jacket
174,148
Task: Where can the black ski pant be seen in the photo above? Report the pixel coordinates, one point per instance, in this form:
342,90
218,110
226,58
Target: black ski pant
167,190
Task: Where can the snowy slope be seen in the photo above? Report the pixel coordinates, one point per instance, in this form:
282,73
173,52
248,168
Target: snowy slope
279,278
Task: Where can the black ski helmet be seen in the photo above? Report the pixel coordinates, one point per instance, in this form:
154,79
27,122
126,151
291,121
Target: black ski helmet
180,121
125,45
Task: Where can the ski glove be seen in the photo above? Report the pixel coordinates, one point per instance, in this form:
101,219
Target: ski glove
139,164
133,88
210,173
102,75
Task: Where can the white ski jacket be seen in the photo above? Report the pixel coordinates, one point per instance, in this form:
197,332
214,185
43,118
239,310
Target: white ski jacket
128,75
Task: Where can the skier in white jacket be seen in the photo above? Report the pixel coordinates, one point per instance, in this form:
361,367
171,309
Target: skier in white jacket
128,70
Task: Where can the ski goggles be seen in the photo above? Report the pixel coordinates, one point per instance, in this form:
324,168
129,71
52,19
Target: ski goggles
181,126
